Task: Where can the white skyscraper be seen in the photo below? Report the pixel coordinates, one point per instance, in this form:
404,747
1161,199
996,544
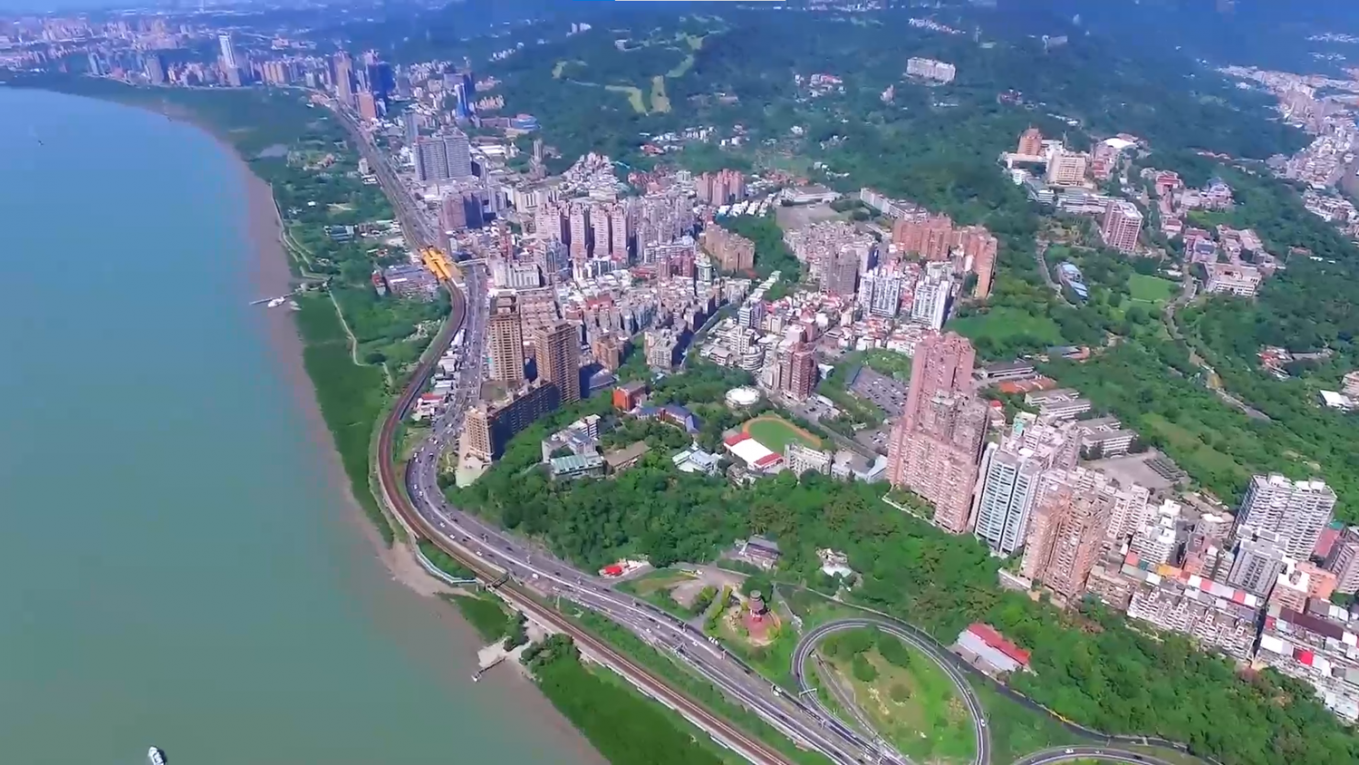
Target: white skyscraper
880,292
1009,489
1009,480
932,293
1297,511
229,58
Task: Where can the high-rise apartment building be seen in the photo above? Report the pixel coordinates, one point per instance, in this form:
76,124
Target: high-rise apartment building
1156,541
476,434
410,126
723,187
1343,561
556,350
942,364
230,58
599,231
934,291
488,428
505,338
431,161
1030,143
367,106
930,236
659,347
1069,527
619,230
1132,514
608,351
1009,480
931,69
1296,510
880,291
1257,563
841,277
458,149
548,223
732,252
343,77
443,158
578,229
155,68
934,446
979,250
1121,225
1067,168
798,375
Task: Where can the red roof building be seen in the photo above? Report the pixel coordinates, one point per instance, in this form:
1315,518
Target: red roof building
990,651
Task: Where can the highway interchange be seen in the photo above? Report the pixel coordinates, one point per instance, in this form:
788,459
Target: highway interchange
536,574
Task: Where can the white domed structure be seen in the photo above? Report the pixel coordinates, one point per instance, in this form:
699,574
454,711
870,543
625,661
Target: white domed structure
739,398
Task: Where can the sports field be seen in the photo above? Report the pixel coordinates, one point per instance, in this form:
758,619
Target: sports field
1151,289
775,433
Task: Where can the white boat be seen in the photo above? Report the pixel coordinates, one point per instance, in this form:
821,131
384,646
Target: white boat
276,302
155,756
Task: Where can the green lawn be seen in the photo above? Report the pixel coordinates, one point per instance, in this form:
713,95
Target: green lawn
485,613
660,102
656,587
775,434
916,707
1004,323
1151,289
897,365
635,96
351,398
664,579
1183,436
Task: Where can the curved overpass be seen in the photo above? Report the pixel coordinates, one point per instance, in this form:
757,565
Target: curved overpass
948,663
1086,753
808,644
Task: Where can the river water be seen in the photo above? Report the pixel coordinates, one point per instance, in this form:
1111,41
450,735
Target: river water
179,564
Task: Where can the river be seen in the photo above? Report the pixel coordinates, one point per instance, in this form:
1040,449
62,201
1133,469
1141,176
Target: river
179,562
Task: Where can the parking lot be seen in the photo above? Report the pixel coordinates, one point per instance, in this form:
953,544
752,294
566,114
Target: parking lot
889,394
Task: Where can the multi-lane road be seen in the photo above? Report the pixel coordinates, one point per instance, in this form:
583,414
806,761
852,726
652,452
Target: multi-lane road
418,501
1089,754
803,652
535,575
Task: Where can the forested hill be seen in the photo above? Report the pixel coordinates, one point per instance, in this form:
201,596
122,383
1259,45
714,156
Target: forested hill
1264,33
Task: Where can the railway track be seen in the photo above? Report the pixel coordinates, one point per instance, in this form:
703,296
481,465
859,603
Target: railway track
391,485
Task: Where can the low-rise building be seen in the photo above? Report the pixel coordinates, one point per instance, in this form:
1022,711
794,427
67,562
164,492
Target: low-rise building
801,458
619,460
695,460
752,454
574,466
629,396
759,551
1104,437
1318,646
1232,279
1216,615
982,646
1058,404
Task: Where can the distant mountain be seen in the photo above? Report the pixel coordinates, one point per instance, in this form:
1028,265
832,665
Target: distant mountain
1264,33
